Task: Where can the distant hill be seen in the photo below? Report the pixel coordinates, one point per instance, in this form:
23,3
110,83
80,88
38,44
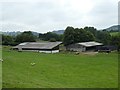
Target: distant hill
113,28
35,33
15,28
11,33
19,28
59,31
18,32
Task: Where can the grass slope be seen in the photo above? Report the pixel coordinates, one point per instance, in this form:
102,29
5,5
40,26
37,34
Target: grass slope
59,70
114,33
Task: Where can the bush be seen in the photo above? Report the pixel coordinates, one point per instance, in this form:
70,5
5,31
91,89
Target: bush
52,40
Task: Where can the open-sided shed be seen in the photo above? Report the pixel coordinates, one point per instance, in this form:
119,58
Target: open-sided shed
83,46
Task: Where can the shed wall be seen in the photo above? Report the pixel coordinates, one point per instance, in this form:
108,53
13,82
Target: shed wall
76,47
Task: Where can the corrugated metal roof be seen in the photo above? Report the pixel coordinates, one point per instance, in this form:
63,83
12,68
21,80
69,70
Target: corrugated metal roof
38,45
90,44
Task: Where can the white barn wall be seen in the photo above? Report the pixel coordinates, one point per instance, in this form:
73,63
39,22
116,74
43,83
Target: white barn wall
42,51
53,51
30,50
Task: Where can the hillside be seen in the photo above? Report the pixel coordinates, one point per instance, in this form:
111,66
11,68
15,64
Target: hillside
59,31
11,33
114,33
16,29
18,32
113,28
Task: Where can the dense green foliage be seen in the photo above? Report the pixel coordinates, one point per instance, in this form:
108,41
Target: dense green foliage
26,36
49,35
100,36
68,36
8,40
116,40
91,29
103,37
59,70
52,40
72,35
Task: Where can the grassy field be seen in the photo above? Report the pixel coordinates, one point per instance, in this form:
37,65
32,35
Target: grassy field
114,33
59,70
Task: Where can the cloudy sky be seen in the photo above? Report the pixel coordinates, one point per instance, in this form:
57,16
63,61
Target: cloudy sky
48,15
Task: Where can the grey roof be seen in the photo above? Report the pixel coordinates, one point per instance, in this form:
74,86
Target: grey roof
90,44
38,45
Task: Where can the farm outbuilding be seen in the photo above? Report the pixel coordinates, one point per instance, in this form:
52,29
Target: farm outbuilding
45,47
106,48
83,46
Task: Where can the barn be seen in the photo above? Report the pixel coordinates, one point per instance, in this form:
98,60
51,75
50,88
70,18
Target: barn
83,46
45,47
106,48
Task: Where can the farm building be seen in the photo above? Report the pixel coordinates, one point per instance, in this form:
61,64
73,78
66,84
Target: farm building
107,48
46,47
84,46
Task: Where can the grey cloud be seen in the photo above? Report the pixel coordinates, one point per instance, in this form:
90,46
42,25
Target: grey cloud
49,15
105,14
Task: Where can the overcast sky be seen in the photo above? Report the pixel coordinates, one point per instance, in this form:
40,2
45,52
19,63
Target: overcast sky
48,15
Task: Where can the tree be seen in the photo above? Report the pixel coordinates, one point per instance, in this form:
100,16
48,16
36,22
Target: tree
91,29
26,36
116,41
100,36
8,40
76,35
83,35
47,36
52,40
68,36
103,37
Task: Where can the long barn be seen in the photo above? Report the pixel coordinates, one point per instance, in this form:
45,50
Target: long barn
46,47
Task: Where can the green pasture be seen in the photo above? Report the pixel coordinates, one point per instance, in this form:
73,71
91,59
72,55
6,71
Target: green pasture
59,70
114,33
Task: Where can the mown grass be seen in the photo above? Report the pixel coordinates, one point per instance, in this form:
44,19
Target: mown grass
59,70
114,33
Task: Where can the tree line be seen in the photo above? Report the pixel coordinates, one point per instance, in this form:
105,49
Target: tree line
52,37
70,36
26,36
75,35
